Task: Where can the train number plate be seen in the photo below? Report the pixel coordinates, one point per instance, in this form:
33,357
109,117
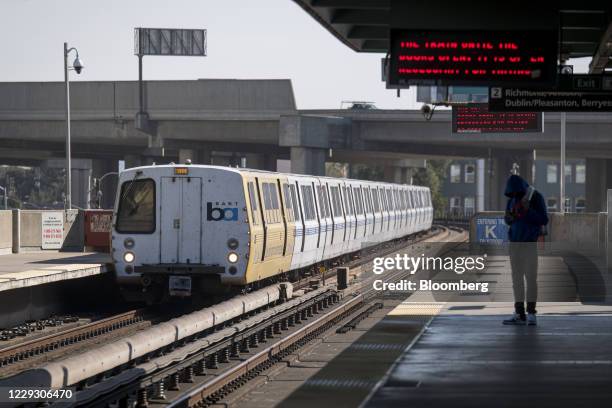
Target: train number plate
179,286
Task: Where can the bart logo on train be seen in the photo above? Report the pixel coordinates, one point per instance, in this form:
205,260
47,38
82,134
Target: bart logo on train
221,214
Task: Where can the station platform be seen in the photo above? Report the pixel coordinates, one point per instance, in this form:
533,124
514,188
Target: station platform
38,268
466,358
457,353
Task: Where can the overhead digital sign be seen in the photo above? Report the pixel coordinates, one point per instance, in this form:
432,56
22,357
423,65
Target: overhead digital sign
473,57
476,118
525,100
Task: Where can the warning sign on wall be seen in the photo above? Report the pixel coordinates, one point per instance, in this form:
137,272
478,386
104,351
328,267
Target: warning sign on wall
52,229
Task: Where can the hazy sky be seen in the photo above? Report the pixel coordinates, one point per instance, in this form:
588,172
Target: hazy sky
246,39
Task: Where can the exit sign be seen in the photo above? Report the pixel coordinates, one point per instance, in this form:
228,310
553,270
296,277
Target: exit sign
473,57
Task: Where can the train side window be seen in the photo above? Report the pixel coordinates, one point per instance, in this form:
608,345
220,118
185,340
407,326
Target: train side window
287,202
266,193
375,200
308,207
253,201
274,196
335,203
311,198
360,200
313,212
320,198
325,202
355,195
383,201
296,205
347,206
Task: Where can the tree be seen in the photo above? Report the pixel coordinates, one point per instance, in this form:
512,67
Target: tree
432,176
33,187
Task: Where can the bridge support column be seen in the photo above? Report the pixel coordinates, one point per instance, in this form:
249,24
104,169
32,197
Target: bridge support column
261,161
598,181
307,138
308,160
81,182
81,179
498,170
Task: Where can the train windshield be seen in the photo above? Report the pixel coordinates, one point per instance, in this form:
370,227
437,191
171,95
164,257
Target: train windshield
136,213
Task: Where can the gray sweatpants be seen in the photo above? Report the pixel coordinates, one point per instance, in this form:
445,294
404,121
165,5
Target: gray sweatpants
524,263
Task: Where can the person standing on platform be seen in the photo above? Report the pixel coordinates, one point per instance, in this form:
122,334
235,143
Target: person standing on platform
526,217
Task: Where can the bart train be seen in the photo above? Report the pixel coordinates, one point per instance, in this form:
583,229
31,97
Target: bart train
180,230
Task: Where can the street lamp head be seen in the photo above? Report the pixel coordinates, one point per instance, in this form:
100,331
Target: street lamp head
78,65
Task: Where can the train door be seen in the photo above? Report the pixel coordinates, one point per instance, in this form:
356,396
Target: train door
257,230
311,223
273,219
181,220
349,216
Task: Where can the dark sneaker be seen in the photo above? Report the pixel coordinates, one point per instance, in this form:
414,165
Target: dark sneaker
531,319
516,319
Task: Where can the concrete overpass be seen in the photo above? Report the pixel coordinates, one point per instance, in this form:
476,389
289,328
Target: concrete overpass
221,121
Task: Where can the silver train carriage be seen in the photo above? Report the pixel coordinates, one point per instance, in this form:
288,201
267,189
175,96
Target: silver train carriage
183,229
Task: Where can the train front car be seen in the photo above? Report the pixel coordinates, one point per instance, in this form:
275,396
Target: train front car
178,231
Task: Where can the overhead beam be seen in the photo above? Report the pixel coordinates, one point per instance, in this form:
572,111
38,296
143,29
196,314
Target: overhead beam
375,45
602,56
354,17
363,32
583,21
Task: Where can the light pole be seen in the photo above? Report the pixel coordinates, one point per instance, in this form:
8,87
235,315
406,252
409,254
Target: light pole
77,66
98,186
562,164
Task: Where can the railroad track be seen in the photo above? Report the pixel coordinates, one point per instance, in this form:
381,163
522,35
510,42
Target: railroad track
213,391
35,347
290,329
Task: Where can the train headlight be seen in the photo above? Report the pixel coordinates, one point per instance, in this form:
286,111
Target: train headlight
232,257
232,243
129,257
129,243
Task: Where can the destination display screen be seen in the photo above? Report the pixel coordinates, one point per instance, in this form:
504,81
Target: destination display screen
486,58
476,118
